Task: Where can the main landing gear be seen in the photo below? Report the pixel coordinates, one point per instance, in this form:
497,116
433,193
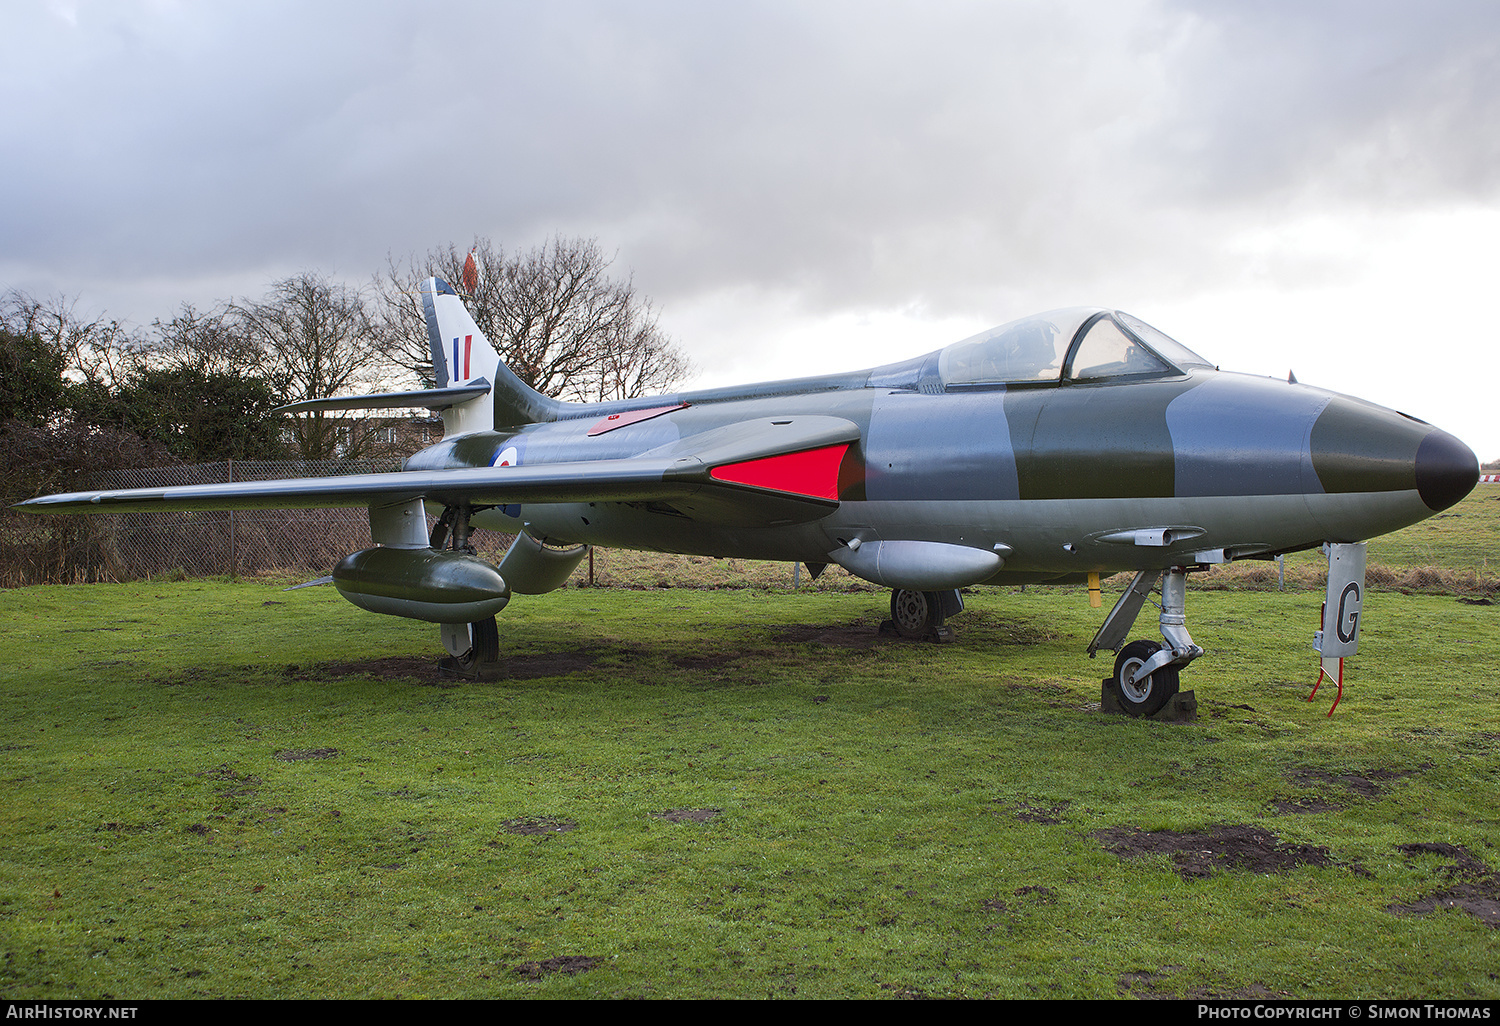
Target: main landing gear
469,644
1146,673
921,615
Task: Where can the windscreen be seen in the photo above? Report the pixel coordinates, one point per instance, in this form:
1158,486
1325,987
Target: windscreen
1031,349
1175,352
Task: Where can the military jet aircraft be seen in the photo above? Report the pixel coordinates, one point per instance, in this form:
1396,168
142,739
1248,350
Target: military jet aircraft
1051,449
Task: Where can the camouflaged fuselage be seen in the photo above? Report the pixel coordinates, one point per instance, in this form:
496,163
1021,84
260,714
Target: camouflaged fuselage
1062,477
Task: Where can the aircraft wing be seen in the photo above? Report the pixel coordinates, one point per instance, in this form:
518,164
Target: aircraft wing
764,471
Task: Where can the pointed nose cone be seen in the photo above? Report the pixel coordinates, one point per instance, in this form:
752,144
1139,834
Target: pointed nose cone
1360,447
1447,470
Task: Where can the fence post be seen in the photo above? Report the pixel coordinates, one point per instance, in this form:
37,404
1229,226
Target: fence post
232,560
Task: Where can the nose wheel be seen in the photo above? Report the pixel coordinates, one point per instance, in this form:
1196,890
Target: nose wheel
1145,677
1143,694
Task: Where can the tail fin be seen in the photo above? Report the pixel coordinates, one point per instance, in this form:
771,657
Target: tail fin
462,355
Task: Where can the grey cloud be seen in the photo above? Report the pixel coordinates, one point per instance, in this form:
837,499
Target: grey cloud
843,155
1373,102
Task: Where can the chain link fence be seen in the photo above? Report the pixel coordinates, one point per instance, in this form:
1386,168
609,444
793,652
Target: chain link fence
130,546
304,543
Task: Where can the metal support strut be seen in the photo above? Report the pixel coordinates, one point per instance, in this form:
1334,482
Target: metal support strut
452,530
1179,650
1121,618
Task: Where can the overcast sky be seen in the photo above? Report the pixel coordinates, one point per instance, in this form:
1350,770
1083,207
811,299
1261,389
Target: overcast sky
802,186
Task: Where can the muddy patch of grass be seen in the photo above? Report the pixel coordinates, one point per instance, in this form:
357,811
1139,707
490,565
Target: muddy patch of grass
429,670
1148,984
1475,888
538,826
570,965
1037,812
688,815
854,635
1030,895
547,664
1367,785
114,827
302,754
1303,806
239,784
1198,855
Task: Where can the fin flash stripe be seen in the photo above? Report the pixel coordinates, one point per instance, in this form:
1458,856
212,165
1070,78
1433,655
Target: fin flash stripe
468,346
814,472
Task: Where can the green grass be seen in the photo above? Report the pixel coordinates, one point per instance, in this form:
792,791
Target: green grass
1463,537
881,826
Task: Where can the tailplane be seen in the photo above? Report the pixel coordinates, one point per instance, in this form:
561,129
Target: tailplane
475,391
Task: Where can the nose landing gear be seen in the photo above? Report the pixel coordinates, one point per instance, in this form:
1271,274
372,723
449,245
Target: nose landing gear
1145,678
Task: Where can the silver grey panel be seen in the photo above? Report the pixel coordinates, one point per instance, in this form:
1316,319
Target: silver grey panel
1240,435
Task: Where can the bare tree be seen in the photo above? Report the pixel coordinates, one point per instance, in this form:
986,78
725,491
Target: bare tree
99,352
316,340
400,325
553,313
637,362
206,342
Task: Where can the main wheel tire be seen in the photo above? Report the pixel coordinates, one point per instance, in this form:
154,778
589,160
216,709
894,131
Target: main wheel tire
913,612
486,635
1147,696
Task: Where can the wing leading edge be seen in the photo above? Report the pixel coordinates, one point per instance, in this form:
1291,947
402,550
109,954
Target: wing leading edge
429,398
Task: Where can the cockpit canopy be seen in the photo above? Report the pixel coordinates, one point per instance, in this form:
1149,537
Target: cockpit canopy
1078,344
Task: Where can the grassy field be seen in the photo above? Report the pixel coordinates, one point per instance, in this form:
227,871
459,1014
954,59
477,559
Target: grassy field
218,789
